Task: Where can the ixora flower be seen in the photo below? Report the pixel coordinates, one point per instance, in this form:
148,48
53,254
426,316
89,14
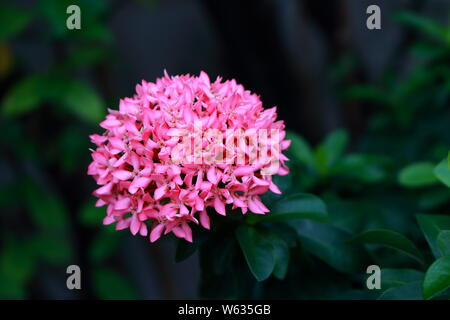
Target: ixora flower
181,145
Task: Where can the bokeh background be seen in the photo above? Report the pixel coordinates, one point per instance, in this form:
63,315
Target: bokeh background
315,60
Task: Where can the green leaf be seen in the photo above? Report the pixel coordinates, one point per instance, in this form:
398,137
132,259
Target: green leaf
53,249
11,289
300,150
46,209
105,244
431,225
442,171
111,285
86,56
329,244
398,277
344,66
417,175
281,256
330,151
335,144
443,242
297,206
434,198
82,101
409,291
286,233
428,50
363,167
72,146
12,21
90,215
423,24
364,92
16,269
257,250
437,277
390,239
96,31
352,216
405,93
24,96
16,260
284,183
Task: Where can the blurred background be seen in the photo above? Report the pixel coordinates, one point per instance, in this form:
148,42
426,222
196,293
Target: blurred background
315,60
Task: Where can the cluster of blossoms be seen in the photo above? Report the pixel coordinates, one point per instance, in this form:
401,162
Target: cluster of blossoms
135,166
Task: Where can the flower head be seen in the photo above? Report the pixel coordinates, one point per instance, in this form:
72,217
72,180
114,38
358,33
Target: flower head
181,145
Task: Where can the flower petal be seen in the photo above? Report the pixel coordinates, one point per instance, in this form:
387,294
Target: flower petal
138,182
160,192
219,206
135,224
122,174
243,171
187,232
204,219
122,204
156,232
105,190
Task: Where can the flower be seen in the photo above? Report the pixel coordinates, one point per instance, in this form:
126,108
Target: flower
181,145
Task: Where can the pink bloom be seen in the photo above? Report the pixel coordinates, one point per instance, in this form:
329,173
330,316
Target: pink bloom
147,191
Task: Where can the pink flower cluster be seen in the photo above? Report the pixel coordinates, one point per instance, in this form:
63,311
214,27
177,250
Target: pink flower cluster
138,180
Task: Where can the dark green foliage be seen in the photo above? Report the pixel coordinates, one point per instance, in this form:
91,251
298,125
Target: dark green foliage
46,118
